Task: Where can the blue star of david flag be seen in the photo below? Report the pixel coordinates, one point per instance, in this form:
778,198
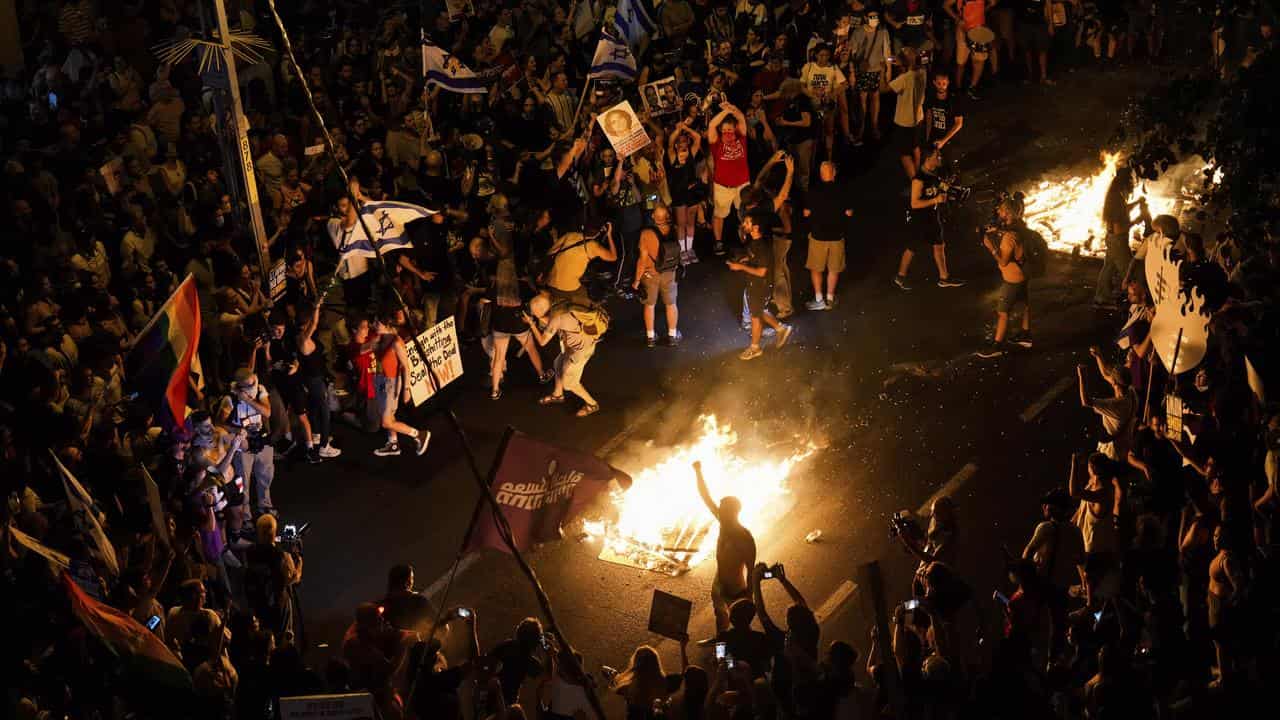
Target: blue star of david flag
613,58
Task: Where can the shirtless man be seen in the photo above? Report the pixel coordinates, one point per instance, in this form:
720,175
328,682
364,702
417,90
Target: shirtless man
1006,248
735,555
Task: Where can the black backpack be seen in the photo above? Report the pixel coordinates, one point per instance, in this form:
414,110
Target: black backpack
1035,252
668,255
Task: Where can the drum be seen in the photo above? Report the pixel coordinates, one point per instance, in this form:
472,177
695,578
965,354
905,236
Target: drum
980,39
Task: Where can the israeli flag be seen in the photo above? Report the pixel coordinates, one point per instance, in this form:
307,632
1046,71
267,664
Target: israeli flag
633,21
443,69
613,59
386,220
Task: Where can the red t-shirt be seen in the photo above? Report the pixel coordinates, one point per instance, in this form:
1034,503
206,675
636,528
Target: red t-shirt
730,152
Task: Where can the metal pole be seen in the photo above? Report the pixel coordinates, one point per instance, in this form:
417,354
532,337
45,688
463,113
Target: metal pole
242,140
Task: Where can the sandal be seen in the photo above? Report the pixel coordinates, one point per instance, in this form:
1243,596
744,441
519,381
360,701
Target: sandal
588,409
495,394
551,400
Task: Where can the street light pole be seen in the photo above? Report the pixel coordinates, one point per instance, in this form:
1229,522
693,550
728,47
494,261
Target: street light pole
245,151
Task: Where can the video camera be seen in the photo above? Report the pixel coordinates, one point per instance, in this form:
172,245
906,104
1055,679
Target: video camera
290,537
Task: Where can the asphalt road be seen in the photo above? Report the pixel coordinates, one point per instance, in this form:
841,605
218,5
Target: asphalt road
885,384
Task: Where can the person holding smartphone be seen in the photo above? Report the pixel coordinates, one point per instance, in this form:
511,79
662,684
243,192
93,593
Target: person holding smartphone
795,648
522,658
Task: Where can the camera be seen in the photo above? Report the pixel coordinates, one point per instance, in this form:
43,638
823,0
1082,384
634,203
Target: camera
950,184
901,523
290,537
773,571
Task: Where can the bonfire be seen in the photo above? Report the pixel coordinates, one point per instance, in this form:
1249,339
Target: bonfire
661,522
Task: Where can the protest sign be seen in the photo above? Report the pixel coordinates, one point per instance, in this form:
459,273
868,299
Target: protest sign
623,129
441,344
276,280
669,615
660,97
1180,328
347,706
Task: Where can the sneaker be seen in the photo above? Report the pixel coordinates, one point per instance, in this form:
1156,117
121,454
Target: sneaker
496,393
1022,339
315,438
693,258
752,352
746,326
784,334
816,304
674,340
993,350
328,451
388,450
973,94
424,437
784,315
950,282
901,283
720,248
831,303
314,456
651,341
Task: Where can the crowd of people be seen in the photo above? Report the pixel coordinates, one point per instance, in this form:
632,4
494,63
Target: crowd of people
1147,586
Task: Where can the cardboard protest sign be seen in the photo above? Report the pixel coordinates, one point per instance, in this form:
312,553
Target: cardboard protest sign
660,97
669,615
441,344
623,129
277,280
347,706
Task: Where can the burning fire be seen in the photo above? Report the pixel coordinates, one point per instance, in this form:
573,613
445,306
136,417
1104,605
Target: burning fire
662,523
1069,213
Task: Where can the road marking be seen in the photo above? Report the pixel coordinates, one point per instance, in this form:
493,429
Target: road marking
437,587
836,601
961,477
1052,394
622,435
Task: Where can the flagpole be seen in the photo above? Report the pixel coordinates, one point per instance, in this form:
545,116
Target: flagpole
574,125
480,479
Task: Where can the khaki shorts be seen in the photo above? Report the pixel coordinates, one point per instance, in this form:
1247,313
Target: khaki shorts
659,284
726,198
825,255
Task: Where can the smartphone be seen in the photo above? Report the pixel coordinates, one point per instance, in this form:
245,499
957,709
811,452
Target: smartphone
721,651
53,101
997,595
1097,617
767,574
153,622
728,662
546,641
464,612
911,604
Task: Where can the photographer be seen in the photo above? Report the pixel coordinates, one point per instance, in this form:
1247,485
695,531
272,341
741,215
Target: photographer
925,222
795,649
249,407
271,572
936,544
1003,240
570,255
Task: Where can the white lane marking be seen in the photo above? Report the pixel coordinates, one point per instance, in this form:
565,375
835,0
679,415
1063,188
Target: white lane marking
437,587
961,477
616,441
836,601
1050,395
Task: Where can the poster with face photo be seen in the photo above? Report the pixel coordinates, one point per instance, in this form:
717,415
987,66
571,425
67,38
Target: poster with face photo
660,97
623,129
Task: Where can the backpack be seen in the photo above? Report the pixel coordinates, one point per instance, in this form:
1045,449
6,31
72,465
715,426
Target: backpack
1035,252
668,255
593,319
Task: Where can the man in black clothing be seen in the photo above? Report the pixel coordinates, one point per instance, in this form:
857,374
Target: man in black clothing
924,223
757,267
518,660
828,213
943,117
403,607
744,643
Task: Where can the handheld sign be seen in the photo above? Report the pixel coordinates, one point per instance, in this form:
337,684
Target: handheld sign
669,615
441,344
625,132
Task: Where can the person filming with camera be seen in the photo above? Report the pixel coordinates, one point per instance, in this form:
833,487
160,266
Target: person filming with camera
937,543
1004,242
795,648
925,226
271,572
250,410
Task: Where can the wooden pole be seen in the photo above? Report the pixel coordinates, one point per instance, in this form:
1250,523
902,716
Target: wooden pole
586,88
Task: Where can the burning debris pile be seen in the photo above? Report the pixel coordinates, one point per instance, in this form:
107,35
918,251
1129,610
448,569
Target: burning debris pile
1068,212
662,524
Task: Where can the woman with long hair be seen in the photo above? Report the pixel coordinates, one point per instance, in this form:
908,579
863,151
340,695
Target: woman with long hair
682,183
645,685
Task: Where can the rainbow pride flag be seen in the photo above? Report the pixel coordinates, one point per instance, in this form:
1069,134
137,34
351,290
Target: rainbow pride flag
162,366
144,659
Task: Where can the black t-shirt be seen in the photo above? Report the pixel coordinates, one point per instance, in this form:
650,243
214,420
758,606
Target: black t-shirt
932,186
827,204
1031,12
940,113
760,254
749,646
408,611
517,666
793,111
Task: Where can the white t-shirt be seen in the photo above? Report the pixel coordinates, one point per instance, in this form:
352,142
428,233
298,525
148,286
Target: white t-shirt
910,89
246,415
570,331
821,81
357,263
